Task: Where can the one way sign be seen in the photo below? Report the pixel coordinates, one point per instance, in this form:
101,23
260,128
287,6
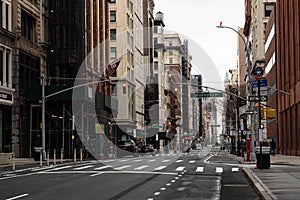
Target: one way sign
263,98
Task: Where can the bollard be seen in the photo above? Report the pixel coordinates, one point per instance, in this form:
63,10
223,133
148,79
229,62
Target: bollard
13,162
74,155
81,155
61,156
48,157
54,157
41,158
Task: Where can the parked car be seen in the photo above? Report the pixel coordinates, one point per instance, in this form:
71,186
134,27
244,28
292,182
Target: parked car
148,148
128,145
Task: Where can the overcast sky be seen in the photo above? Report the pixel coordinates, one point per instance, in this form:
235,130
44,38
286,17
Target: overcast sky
197,19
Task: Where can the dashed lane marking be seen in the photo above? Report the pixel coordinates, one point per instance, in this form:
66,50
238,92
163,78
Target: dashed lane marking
18,197
179,169
219,169
235,169
200,169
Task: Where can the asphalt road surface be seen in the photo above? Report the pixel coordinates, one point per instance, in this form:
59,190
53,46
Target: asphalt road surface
205,174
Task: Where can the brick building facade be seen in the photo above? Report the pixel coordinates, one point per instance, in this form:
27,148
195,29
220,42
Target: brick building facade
288,75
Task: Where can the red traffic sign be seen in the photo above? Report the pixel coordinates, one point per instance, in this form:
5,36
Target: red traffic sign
258,72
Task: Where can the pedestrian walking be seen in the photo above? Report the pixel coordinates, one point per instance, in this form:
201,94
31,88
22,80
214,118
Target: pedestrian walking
273,147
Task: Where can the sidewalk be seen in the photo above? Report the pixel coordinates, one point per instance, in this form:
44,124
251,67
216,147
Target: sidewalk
26,162
280,181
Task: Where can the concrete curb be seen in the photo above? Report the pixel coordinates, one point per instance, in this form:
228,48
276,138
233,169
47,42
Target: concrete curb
262,190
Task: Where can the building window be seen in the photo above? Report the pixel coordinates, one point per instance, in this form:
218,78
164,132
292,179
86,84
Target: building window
112,1
5,15
113,34
29,71
114,90
113,16
268,9
170,43
155,40
5,66
113,52
155,65
27,26
170,52
170,60
155,29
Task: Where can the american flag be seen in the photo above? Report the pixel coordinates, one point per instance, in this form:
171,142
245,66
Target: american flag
111,68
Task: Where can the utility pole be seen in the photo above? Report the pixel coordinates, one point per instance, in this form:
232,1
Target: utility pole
199,78
258,73
43,116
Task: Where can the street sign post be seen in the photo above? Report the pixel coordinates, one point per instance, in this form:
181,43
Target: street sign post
206,94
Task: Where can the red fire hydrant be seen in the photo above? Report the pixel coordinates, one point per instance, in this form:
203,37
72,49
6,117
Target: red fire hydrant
248,149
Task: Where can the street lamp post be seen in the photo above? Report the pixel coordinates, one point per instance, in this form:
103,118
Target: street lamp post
235,91
248,76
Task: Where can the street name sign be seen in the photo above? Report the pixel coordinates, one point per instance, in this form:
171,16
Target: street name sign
262,83
215,125
206,94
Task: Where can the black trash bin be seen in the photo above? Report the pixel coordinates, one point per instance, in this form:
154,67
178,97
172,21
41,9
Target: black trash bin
36,153
265,156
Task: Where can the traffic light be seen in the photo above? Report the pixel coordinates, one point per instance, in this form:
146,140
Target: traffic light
124,87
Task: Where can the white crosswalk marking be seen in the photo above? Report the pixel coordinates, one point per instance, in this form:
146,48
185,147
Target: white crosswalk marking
103,167
83,167
178,161
160,168
141,167
59,168
165,161
219,169
192,161
179,169
151,160
235,169
136,160
122,167
200,169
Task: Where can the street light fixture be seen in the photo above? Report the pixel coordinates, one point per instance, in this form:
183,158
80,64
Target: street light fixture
42,77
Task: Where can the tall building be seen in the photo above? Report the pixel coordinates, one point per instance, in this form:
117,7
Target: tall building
271,74
27,24
159,78
186,90
173,68
288,75
7,87
130,23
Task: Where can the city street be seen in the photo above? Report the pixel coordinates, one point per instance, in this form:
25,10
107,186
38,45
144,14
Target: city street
203,174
